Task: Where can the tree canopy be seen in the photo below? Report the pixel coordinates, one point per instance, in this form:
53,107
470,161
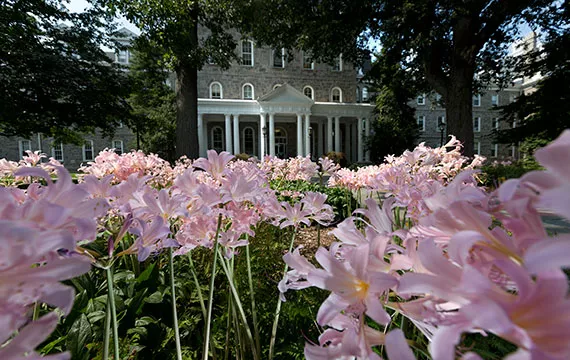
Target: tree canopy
55,78
545,112
173,26
446,42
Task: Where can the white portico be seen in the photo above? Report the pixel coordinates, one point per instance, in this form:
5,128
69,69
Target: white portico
284,123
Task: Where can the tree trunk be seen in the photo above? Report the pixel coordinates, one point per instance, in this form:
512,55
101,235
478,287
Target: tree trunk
187,106
459,108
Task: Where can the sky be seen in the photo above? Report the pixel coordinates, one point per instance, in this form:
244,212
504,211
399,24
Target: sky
80,5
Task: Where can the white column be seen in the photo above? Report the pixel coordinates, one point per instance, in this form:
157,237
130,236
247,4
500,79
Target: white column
354,141
329,134
201,140
236,135
337,134
228,132
299,134
360,144
321,140
262,150
367,133
272,134
307,137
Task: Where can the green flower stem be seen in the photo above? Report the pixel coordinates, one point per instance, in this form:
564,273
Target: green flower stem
111,304
278,309
252,296
174,312
239,306
107,336
197,283
211,295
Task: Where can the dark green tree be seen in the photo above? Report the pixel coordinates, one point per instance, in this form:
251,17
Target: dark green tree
153,102
541,115
55,78
396,129
173,26
448,42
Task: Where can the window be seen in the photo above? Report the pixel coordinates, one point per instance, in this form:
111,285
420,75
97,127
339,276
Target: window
123,56
357,95
438,99
88,150
477,147
279,58
495,123
217,138
441,123
24,145
421,100
57,152
422,122
337,66
476,100
477,124
514,125
118,146
276,86
308,91
336,95
308,64
216,91
364,94
495,100
247,92
247,52
495,150
280,143
249,140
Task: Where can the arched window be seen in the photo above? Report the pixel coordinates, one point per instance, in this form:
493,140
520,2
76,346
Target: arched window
308,91
216,91
276,86
249,140
364,94
217,138
247,92
336,95
357,94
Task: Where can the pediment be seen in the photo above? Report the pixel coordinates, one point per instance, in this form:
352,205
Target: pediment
285,94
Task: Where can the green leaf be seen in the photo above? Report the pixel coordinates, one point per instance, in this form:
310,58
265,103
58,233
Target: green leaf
78,337
155,298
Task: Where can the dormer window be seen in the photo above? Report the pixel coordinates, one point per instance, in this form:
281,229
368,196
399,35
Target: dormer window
123,56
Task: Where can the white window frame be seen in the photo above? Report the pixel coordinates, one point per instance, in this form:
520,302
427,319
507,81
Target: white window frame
312,67
339,92
312,97
476,100
212,137
243,53
495,150
495,100
243,91
423,122
514,125
114,146
423,99
365,90
254,139
282,59
85,158
477,147
338,64
118,56
23,148
478,120
496,126
221,90
276,86
54,147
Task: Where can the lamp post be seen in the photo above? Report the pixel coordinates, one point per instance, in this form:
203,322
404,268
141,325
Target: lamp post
265,140
441,127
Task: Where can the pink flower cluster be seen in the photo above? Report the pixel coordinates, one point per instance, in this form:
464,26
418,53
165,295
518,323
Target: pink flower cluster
297,168
41,227
32,159
473,262
411,177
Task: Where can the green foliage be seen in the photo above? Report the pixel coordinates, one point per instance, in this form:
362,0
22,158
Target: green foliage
55,79
492,175
341,200
544,113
